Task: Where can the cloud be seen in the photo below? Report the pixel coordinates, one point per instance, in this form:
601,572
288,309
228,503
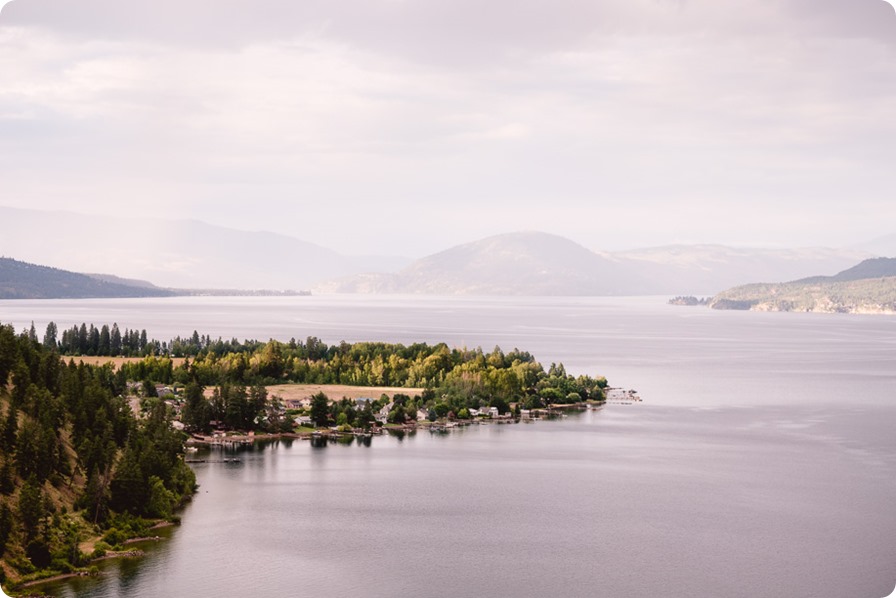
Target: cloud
402,113
449,30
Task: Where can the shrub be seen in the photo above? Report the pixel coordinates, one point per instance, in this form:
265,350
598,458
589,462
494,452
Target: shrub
114,537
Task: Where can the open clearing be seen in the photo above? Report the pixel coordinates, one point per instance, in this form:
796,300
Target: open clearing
337,391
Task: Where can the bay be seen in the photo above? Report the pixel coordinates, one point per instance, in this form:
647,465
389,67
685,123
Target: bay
761,462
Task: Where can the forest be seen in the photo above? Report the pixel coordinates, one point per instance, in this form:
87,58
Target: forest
454,379
76,463
91,451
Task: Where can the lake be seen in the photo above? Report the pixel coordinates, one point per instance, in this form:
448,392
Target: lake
761,462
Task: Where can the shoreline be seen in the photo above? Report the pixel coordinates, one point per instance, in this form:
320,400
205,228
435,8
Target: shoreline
235,439
116,554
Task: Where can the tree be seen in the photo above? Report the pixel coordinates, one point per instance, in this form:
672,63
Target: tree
365,417
105,344
31,507
6,524
82,339
96,497
8,353
197,411
161,500
50,335
21,380
149,389
397,415
10,430
320,412
115,341
501,403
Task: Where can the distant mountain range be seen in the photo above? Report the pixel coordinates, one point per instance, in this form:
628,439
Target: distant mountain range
187,254
20,280
869,287
184,254
534,263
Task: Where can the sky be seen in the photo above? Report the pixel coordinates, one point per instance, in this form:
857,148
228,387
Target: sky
407,126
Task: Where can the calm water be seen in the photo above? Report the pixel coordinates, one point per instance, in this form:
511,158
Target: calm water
761,463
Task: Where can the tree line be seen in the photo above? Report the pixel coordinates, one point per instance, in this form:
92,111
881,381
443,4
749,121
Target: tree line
454,379
75,460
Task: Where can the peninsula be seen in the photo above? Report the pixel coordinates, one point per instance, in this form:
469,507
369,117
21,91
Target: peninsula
94,421
867,288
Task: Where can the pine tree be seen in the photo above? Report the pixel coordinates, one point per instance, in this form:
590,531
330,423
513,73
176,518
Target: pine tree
115,341
50,342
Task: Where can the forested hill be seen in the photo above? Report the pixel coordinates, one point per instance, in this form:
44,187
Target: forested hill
76,463
878,267
869,287
21,280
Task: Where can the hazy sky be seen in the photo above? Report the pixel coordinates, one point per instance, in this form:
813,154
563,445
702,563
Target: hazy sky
405,126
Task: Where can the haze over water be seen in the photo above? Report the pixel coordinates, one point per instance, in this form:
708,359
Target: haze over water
760,464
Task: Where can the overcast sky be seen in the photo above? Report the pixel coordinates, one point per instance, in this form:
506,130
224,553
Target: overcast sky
406,126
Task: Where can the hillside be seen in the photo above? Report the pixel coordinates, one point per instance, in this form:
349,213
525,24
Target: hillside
869,287
872,268
533,263
529,263
709,269
21,280
186,254
176,253
80,472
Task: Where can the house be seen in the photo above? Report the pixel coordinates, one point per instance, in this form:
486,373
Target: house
382,415
294,403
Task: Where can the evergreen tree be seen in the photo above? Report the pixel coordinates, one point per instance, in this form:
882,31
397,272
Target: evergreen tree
31,507
50,342
105,344
197,411
6,525
320,411
10,430
7,478
7,353
82,339
115,341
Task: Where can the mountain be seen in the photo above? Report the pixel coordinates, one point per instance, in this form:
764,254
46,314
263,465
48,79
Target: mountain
187,254
129,282
21,280
707,269
512,264
869,287
533,263
175,253
878,267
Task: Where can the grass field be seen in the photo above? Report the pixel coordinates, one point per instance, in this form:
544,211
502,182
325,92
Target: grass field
337,391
